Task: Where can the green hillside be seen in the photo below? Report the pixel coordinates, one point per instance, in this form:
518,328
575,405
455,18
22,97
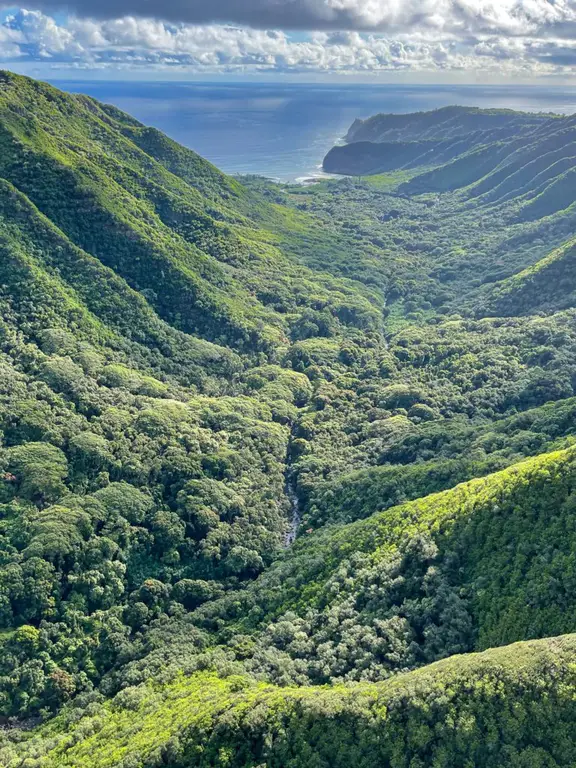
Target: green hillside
287,473
169,223
512,706
549,284
485,564
497,156
388,142
448,123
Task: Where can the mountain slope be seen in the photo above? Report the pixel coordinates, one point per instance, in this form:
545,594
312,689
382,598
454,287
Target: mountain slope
549,284
136,454
494,155
512,706
204,719
184,241
449,123
388,142
484,564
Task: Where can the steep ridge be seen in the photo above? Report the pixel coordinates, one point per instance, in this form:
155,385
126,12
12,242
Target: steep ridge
53,286
182,244
550,284
545,162
390,142
519,187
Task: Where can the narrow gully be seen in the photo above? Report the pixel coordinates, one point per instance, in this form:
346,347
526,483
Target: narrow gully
295,514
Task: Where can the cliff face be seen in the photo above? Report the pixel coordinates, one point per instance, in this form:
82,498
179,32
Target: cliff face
356,126
445,123
364,158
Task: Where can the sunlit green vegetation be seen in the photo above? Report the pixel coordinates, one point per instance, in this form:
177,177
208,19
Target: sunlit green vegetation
513,706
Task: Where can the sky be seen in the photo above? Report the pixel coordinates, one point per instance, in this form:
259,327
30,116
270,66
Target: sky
365,40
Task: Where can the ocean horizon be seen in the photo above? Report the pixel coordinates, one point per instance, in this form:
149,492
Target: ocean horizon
283,130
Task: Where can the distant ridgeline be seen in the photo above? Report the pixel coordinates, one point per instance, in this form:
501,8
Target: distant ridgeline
492,153
287,473
518,168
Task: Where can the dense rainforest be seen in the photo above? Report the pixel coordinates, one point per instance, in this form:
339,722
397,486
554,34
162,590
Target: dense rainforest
287,472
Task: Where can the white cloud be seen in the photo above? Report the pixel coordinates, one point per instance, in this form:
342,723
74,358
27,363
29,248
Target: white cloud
39,36
511,37
510,17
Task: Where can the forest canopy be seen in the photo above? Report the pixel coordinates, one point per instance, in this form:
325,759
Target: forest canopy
286,472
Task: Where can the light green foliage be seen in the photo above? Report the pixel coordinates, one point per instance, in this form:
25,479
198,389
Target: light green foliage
39,471
512,706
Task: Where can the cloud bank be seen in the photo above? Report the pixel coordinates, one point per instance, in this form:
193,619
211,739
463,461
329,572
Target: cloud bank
524,37
507,17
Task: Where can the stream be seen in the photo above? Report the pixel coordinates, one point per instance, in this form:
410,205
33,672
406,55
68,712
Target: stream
295,512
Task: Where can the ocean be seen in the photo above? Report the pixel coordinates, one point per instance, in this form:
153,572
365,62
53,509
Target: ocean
283,130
